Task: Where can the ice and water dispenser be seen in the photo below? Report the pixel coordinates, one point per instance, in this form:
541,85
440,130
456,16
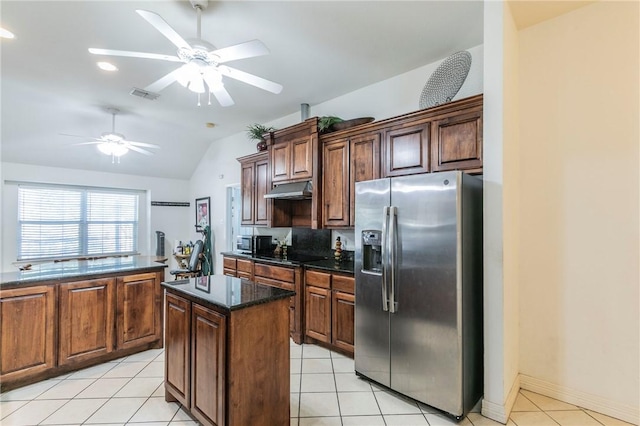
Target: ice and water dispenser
372,251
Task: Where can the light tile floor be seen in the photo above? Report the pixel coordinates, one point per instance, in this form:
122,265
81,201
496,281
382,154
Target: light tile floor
324,391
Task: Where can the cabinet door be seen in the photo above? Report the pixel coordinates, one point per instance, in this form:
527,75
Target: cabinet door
176,351
318,313
247,179
86,322
301,158
457,143
364,152
139,306
208,365
335,184
262,186
27,321
280,162
342,326
406,151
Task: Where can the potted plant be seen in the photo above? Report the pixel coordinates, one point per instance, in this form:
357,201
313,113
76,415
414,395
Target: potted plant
325,123
255,131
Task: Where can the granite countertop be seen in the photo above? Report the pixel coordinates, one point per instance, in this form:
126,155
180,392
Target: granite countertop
225,292
327,264
86,269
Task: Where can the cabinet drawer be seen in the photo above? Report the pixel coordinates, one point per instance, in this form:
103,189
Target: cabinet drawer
244,265
229,262
344,284
229,272
274,283
318,279
244,275
274,272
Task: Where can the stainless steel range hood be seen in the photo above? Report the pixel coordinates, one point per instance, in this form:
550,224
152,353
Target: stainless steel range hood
291,191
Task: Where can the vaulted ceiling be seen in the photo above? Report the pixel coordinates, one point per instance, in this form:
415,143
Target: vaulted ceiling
318,50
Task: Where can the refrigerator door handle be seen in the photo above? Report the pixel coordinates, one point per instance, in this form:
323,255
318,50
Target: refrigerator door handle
385,258
393,249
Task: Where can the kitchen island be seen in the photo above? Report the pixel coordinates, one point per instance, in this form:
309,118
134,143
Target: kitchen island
62,316
227,350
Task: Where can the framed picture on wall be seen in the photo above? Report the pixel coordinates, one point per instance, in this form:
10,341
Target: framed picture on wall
203,283
203,217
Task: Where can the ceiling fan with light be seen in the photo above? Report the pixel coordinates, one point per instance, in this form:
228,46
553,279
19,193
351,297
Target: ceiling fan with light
202,70
115,144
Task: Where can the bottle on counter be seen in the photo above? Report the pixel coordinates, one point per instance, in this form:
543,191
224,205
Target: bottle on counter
179,248
338,253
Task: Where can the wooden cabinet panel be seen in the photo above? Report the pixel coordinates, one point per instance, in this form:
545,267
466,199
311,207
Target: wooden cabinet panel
280,162
342,324
274,272
344,284
229,262
244,265
318,313
406,150
208,365
364,164
335,183
86,320
261,206
27,321
177,348
301,158
255,182
457,142
138,315
247,178
317,279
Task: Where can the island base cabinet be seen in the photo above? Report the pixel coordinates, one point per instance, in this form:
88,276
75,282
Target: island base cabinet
27,322
228,368
176,352
139,310
208,339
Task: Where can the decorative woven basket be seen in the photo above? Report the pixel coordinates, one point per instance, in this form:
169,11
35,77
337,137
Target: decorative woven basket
446,80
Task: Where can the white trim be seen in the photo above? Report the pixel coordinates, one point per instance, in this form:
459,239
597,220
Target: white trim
500,413
581,399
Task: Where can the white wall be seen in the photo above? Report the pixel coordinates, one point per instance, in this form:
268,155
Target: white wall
389,98
579,268
173,221
500,219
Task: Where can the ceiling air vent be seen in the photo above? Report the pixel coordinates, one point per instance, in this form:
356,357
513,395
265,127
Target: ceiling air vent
144,94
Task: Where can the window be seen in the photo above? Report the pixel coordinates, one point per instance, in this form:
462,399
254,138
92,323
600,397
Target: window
66,221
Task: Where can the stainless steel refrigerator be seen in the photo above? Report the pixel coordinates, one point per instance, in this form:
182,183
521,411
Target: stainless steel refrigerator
418,268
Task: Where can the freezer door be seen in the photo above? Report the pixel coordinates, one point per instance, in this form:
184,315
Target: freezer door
425,338
371,319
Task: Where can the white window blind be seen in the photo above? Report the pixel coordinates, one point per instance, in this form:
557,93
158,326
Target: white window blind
64,221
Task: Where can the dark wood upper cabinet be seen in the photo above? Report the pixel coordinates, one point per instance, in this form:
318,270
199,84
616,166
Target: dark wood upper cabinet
255,182
280,162
406,150
457,142
335,183
364,164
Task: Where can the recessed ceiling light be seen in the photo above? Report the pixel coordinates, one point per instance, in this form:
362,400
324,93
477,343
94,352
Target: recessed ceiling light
107,66
6,33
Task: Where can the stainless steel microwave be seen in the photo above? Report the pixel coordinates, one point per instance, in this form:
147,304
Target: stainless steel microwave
253,243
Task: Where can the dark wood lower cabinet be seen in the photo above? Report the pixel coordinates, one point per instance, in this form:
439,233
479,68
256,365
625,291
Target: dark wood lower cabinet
208,368
177,339
330,310
55,328
27,338
87,310
228,368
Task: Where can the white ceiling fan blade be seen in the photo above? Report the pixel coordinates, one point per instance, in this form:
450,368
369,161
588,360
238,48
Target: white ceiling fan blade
130,54
89,143
83,137
164,28
164,81
143,144
254,80
140,150
240,51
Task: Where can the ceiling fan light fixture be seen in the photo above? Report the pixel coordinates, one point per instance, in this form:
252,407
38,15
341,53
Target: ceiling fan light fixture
106,66
5,33
113,149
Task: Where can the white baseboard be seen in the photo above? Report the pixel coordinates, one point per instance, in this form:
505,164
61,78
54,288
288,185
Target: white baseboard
581,399
498,412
